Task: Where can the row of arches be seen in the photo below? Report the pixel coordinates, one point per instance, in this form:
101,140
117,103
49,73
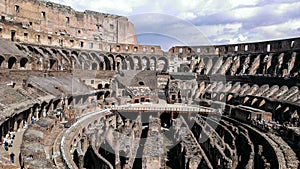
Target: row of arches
13,62
45,58
275,64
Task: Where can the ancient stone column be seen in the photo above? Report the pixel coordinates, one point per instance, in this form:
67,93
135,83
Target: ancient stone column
37,113
44,112
29,116
15,126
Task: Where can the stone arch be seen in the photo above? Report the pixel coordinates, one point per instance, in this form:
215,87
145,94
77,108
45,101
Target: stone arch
185,68
107,94
84,55
39,52
20,47
46,51
75,61
95,56
101,66
66,52
100,95
112,62
53,63
23,62
124,64
57,57
131,63
12,62
119,61
99,60
208,64
94,66
100,86
2,59
32,49
74,53
166,64
64,56
153,63
106,62
145,63
137,63
107,86
84,60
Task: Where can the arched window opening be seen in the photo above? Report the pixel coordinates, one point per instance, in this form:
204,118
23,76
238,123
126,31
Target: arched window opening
107,94
94,66
11,62
52,63
23,62
106,86
1,60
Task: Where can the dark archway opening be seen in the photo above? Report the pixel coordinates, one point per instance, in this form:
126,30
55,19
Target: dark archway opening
165,119
1,61
107,64
176,157
23,62
101,66
106,86
123,158
94,66
76,158
107,94
91,161
112,61
13,34
11,62
108,153
100,86
52,63
100,95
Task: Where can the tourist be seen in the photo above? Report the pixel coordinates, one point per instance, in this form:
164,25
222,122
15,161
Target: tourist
6,145
12,157
32,120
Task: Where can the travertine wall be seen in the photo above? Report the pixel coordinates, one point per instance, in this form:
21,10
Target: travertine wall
33,18
242,48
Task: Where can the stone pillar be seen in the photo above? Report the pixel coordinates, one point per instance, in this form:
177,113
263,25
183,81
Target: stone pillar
65,111
21,124
81,100
36,114
66,102
186,162
189,115
29,116
52,106
117,162
5,64
15,126
44,112
172,117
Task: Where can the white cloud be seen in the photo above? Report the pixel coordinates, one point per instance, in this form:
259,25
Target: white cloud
187,15
229,21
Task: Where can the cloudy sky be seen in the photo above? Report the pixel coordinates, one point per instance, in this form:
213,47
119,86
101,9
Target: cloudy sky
199,22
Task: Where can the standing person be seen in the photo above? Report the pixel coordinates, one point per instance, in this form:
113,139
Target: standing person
6,145
12,157
32,120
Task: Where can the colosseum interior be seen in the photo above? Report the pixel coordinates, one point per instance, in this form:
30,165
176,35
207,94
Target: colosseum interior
78,92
